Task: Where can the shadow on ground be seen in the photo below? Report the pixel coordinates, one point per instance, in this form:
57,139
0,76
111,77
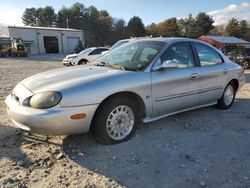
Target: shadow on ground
205,146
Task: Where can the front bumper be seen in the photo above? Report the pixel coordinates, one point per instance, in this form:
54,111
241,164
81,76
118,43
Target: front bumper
67,62
54,121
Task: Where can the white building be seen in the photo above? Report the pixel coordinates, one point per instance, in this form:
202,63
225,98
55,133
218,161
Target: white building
42,40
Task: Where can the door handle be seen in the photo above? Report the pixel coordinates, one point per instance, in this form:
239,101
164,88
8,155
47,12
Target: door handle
194,76
225,71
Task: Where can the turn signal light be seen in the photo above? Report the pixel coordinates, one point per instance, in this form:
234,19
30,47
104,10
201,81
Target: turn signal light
78,116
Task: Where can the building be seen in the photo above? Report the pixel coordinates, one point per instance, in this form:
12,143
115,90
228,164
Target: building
220,41
42,40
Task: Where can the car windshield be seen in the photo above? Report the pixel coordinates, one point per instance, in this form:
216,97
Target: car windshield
119,43
86,51
132,56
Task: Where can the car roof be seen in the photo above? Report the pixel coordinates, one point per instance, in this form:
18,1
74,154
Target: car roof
169,39
94,48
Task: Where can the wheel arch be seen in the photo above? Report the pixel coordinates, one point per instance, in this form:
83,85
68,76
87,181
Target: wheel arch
131,95
235,82
82,59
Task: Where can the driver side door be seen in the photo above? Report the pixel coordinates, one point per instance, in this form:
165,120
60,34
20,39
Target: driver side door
176,89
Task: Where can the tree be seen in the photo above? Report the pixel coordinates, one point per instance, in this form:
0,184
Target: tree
204,24
188,27
30,16
46,17
153,30
62,17
192,27
169,28
119,30
135,27
243,29
232,28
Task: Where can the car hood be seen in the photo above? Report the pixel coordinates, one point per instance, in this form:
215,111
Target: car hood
71,56
64,78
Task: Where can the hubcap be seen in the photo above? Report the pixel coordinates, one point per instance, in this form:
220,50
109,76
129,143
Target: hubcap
120,122
229,95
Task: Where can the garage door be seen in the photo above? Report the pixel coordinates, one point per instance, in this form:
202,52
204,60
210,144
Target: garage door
51,44
72,42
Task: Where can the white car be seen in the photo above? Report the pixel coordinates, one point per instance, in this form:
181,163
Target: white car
85,56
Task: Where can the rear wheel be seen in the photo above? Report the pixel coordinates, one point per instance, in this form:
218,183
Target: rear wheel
227,99
245,64
116,121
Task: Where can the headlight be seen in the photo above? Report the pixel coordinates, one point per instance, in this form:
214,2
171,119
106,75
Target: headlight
45,99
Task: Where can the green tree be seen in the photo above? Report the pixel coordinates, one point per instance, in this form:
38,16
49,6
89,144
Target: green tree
188,27
62,17
119,30
204,24
30,16
46,17
232,28
243,29
135,27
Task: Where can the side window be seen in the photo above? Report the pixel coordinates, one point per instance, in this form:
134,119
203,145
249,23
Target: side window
103,50
180,52
207,55
147,54
95,52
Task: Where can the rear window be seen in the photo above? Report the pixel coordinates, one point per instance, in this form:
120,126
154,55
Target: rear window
207,55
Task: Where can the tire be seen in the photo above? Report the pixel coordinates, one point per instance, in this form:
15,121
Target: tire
82,62
112,117
245,64
227,99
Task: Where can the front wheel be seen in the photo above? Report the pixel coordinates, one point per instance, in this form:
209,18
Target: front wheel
82,62
116,121
227,99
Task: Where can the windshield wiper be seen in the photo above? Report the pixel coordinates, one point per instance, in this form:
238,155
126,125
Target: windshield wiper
116,66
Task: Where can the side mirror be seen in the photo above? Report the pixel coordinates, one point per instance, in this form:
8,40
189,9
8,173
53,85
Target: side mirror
169,64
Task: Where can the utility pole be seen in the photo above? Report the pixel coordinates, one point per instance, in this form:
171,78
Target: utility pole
67,22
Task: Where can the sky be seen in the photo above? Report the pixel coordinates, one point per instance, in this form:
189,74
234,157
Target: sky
148,10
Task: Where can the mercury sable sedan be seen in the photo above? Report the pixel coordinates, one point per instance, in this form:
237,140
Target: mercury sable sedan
141,81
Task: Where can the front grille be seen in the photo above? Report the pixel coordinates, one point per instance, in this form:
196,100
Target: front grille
20,47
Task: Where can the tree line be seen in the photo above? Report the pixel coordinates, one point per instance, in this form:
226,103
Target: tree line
101,28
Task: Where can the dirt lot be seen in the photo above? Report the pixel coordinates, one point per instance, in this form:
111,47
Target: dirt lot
201,148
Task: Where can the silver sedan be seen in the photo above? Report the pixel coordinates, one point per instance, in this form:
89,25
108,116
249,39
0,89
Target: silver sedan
141,81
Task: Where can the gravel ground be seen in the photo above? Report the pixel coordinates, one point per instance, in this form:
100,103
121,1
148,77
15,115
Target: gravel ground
200,148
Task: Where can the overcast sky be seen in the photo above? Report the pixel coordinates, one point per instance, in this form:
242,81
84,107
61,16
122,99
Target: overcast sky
150,11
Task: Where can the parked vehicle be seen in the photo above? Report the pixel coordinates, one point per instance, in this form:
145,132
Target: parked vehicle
125,41
242,59
3,51
85,56
142,81
17,48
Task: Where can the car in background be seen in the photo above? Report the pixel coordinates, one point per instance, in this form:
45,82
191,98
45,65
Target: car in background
85,56
242,58
124,41
143,81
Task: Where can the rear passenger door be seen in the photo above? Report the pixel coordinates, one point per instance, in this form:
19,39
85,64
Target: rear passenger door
212,73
